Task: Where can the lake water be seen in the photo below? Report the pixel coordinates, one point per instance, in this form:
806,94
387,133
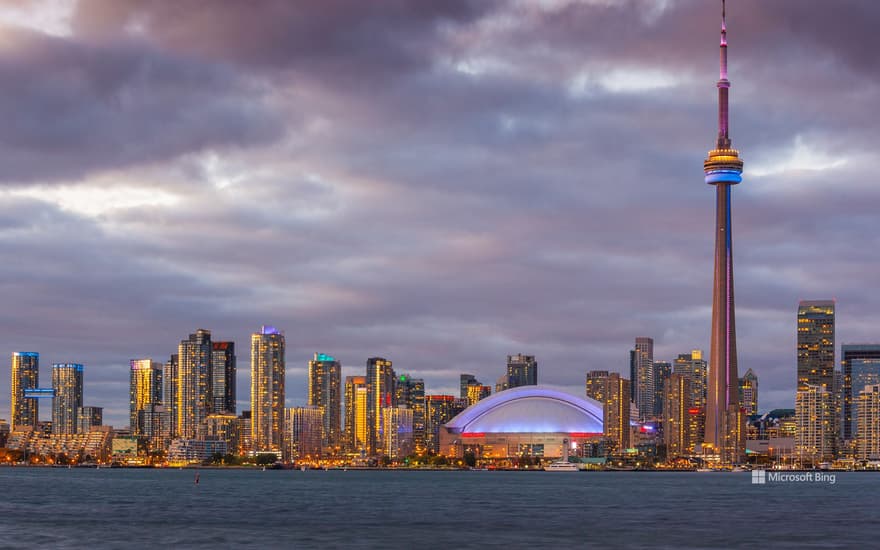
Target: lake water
136,508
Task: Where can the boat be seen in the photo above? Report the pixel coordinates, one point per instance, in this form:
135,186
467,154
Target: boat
562,465
706,470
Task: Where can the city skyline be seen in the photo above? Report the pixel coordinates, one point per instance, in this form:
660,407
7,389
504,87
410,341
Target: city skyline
487,180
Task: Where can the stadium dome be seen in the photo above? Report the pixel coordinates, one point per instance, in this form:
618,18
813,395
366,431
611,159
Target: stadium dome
529,409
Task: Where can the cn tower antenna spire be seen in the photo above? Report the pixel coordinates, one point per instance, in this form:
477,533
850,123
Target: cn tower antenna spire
723,86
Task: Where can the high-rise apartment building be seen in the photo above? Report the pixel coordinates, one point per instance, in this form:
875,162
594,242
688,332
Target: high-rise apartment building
860,365
814,416
693,366
748,393
88,418
410,393
868,423
815,344
304,426
223,372
595,385
616,412
380,395
169,393
25,376
440,410
194,385
325,392
67,382
642,375
662,370
144,392
356,432
473,390
677,417
522,370
399,441
466,380
267,390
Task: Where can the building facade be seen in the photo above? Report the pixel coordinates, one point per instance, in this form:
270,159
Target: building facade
642,376
223,372
677,405
194,387
814,416
67,382
411,394
399,441
356,431
304,427
748,393
380,395
25,376
144,392
325,392
815,344
868,423
267,390
860,366
522,370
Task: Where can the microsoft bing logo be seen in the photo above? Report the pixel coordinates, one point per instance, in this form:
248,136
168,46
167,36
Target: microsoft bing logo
759,477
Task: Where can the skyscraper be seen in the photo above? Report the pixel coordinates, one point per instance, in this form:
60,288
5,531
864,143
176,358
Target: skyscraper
595,385
868,423
411,394
472,389
440,409
25,376
223,377
304,432
169,393
356,414
67,382
466,380
398,422
677,403
723,169
616,412
325,392
193,393
642,373
693,366
522,370
748,393
88,418
380,394
267,390
144,391
662,370
814,416
815,344
861,368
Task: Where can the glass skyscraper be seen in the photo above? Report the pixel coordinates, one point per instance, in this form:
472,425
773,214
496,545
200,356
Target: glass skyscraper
144,392
860,364
325,392
67,382
223,377
267,390
356,432
522,370
380,394
815,344
193,396
25,376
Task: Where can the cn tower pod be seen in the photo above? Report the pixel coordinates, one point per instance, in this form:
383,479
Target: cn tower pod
723,166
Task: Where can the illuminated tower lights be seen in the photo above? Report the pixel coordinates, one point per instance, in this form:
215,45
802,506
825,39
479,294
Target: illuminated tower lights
723,169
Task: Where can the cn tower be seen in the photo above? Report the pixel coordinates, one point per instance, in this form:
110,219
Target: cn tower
723,169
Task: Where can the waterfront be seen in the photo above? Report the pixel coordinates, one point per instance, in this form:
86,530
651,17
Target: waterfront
125,508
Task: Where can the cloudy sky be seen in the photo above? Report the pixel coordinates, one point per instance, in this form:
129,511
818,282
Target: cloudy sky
440,183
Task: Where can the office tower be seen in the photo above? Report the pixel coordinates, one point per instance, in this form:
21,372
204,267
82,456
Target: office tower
693,366
246,440
723,169
522,370
465,380
88,418
267,390
868,423
815,344
67,382
155,424
616,412
502,383
662,370
595,386
223,377
642,373
748,393
144,391
677,404
169,392
25,376
304,427
325,391
399,441
860,365
380,394
411,394
355,413
440,409
193,394
814,417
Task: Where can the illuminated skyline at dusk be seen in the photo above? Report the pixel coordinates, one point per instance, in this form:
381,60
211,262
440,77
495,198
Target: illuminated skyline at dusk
440,185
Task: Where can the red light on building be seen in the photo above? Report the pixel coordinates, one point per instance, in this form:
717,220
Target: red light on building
585,434
695,410
473,434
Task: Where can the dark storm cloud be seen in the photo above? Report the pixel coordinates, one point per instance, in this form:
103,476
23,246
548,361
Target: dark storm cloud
70,107
442,184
